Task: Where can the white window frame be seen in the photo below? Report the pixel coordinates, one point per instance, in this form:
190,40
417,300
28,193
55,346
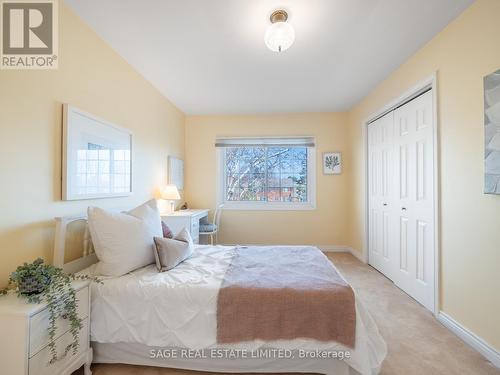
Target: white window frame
267,206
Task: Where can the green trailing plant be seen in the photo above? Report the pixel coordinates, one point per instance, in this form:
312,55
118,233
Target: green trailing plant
39,282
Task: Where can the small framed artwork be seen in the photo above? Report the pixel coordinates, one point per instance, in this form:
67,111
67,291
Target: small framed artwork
176,172
492,133
97,157
332,163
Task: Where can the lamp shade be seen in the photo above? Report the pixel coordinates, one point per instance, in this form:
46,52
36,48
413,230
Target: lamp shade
279,36
170,192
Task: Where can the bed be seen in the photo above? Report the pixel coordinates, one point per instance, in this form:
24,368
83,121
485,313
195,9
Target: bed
169,319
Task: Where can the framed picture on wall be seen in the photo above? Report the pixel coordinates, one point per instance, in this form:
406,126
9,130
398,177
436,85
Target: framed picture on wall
332,163
97,157
492,133
176,172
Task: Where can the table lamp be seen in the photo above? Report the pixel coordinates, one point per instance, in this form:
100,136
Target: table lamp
170,193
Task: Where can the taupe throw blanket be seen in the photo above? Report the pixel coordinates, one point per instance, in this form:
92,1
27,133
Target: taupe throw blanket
284,293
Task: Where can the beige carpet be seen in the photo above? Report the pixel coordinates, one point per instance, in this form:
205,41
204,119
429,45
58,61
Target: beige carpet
418,344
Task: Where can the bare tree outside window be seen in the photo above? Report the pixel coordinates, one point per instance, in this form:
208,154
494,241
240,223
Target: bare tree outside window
266,174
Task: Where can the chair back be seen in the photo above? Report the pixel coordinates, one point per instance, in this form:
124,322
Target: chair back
218,212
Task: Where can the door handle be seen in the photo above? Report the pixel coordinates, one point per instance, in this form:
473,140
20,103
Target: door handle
403,208
385,204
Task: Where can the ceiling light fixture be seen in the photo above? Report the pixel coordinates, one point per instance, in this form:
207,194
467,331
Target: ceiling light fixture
280,35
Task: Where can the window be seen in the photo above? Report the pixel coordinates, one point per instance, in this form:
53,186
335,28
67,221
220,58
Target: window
267,173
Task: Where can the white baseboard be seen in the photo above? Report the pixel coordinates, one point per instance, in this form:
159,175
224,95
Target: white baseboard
357,255
340,249
470,338
334,248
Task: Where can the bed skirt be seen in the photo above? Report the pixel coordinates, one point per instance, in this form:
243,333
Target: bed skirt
138,354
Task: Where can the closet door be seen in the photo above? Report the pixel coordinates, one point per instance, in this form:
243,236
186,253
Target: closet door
414,149
381,195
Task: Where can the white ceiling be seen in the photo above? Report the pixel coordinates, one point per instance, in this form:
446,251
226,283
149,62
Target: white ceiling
209,56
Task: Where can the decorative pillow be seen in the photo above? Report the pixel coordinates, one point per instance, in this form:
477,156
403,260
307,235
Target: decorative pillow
123,240
167,233
185,236
170,252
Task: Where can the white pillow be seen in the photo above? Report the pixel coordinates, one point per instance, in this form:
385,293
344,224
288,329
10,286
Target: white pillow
124,242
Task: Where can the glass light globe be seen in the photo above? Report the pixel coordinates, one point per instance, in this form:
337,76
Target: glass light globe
279,36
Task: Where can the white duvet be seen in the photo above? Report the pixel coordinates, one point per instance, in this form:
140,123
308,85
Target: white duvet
178,309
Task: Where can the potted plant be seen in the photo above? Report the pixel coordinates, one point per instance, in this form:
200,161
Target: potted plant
39,282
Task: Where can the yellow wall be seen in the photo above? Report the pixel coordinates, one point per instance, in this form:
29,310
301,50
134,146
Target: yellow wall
94,78
326,225
466,51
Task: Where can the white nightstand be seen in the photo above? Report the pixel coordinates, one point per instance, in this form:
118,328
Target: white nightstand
24,337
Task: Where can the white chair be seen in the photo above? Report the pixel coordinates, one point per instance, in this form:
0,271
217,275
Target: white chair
212,229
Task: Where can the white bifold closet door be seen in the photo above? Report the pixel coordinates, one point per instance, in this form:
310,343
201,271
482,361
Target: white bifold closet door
382,219
401,197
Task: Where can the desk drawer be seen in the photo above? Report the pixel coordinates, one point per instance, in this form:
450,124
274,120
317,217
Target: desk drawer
39,323
39,364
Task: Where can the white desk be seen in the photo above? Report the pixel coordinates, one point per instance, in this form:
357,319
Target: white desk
189,219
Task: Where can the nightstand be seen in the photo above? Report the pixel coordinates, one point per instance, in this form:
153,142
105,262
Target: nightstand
24,336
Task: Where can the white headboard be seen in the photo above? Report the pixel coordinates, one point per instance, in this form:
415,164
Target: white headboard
88,257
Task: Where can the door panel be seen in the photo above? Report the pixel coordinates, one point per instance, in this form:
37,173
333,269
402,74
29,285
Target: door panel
403,171
401,197
385,235
421,172
416,178
403,244
421,250
381,170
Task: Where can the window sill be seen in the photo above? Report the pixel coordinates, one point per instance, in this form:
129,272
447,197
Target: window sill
240,206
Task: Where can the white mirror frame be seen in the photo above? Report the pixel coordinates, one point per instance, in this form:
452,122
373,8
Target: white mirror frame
71,115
